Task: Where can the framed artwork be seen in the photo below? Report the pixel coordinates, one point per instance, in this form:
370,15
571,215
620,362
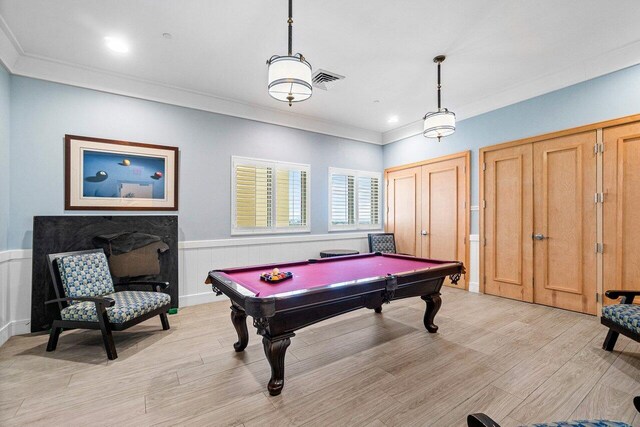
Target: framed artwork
103,174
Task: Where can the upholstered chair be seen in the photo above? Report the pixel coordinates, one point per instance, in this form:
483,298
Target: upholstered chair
382,242
88,299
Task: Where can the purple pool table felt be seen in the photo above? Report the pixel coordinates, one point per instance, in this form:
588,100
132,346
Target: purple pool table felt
328,271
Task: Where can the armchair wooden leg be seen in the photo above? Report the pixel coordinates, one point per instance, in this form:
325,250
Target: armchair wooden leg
165,321
53,337
107,337
109,345
610,340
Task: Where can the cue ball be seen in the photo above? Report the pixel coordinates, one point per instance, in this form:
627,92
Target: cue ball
101,174
158,174
126,162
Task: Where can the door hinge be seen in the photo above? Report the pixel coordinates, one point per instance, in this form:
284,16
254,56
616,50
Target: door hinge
599,247
598,148
484,279
464,240
484,242
484,166
597,297
598,198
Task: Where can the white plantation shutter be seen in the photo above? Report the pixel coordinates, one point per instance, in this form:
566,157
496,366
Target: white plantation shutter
369,200
354,199
291,199
269,196
342,194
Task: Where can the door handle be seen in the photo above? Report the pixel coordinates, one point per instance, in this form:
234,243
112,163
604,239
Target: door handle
424,233
539,236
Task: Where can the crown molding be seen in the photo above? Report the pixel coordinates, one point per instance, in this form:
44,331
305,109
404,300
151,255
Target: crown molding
10,49
614,60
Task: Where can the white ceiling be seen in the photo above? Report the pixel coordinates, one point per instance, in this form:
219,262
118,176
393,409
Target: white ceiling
498,52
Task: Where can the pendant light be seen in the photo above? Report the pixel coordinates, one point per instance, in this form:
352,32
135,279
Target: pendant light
290,75
442,122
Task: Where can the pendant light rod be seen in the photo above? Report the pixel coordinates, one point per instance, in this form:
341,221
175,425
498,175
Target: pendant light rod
439,60
290,21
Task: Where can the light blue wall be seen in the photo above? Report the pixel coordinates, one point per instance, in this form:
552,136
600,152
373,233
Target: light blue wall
607,97
43,112
5,79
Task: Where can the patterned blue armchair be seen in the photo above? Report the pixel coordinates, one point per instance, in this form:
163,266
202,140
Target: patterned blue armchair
384,243
88,299
623,318
482,420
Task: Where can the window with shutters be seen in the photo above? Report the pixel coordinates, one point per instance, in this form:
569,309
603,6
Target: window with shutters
354,200
269,196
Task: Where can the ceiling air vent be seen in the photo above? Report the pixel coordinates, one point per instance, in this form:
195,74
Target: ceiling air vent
323,77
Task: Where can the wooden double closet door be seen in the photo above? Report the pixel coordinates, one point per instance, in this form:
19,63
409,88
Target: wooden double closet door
427,207
558,223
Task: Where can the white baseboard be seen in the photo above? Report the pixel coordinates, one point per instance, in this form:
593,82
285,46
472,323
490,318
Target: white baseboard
474,287
16,327
203,298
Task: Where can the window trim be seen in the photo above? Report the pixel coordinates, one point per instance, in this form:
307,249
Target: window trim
274,229
356,174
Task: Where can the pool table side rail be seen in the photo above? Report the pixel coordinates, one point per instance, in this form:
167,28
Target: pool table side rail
268,267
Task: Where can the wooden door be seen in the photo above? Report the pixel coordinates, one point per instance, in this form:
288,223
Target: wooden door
508,222
443,212
403,205
565,222
621,228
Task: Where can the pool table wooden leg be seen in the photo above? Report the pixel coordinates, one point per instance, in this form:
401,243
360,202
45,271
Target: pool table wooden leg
239,320
275,349
378,309
433,305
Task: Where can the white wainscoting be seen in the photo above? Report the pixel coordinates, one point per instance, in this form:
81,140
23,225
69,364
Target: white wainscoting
197,258
15,293
474,260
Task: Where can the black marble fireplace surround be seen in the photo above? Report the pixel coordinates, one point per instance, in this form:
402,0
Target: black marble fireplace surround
54,234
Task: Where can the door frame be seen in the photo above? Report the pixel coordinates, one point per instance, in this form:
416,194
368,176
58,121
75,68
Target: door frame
597,126
466,155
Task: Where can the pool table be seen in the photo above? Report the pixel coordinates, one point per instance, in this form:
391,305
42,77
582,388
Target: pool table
321,289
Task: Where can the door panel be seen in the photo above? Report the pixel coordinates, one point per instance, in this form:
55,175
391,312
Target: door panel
443,212
403,190
565,215
621,228
508,251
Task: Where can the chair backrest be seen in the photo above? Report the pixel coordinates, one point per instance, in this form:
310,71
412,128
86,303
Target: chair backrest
382,242
80,273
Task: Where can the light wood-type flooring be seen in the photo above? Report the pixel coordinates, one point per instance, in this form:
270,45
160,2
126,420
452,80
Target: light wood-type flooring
517,362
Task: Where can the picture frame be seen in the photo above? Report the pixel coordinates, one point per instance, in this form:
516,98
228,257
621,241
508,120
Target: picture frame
107,174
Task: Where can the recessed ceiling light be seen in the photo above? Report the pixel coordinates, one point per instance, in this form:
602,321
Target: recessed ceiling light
116,44
167,36
393,119
375,101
